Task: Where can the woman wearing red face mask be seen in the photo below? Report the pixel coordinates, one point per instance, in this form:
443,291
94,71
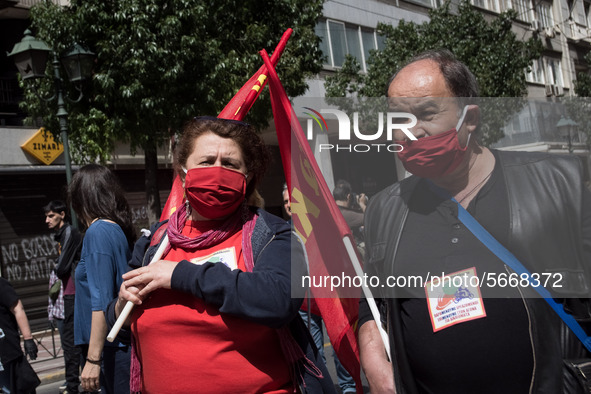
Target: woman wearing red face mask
216,314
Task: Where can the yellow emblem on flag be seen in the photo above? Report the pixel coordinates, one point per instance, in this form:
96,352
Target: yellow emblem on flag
43,147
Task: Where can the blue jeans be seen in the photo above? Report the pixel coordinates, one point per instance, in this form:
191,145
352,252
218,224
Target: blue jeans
346,382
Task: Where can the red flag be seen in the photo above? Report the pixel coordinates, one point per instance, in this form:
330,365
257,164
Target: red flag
236,109
175,198
318,221
241,103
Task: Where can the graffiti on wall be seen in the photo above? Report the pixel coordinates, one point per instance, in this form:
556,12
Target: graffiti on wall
139,214
29,259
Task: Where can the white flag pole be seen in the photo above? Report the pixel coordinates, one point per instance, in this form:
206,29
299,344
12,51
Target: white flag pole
129,305
367,293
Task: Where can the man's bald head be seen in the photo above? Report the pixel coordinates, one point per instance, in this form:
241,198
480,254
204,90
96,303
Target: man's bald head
459,80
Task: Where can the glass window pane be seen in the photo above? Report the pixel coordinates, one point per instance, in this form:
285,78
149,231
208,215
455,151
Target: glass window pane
369,43
549,72
426,3
381,41
526,12
539,71
555,72
338,42
529,76
354,45
558,74
494,5
320,31
522,8
480,3
550,15
544,12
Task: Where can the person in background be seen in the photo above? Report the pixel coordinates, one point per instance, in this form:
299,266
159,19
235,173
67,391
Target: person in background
55,315
352,206
286,202
61,309
16,376
55,306
216,314
99,201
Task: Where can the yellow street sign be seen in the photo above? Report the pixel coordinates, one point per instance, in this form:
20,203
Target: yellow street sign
43,147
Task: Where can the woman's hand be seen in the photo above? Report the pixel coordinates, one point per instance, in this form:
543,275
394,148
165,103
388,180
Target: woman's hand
126,294
146,279
90,377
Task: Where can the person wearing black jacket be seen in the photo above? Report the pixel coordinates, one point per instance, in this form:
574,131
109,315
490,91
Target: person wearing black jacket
16,375
70,243
225,275
472,335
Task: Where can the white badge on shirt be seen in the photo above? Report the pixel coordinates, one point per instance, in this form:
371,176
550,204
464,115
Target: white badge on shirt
454,298
225,256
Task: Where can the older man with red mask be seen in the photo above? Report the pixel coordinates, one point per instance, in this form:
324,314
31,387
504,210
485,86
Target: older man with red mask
461,339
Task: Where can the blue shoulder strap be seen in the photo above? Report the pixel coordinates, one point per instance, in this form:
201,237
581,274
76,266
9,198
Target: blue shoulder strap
508,258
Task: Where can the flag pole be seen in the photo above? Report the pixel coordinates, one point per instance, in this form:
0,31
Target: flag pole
129,305
367,293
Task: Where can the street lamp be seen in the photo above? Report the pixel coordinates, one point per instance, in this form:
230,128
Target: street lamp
565,127
30,56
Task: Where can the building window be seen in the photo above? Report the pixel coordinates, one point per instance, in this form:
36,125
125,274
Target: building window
322,33
544,14
491,5
381,40
523,9
426,3
537,72
340,39
546,70
337,42
554,72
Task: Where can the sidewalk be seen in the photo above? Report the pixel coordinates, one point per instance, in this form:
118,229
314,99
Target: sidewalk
49,364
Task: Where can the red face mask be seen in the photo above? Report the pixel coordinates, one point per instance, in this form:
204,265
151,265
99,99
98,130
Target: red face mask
434,156
215,192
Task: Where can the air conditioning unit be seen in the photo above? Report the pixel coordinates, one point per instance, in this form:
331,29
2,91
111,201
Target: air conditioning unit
549,31
549,90
536,25
558,90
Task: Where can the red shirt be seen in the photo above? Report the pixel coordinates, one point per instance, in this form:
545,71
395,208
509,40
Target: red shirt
187,346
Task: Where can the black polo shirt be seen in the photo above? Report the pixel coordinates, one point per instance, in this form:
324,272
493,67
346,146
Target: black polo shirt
491,354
